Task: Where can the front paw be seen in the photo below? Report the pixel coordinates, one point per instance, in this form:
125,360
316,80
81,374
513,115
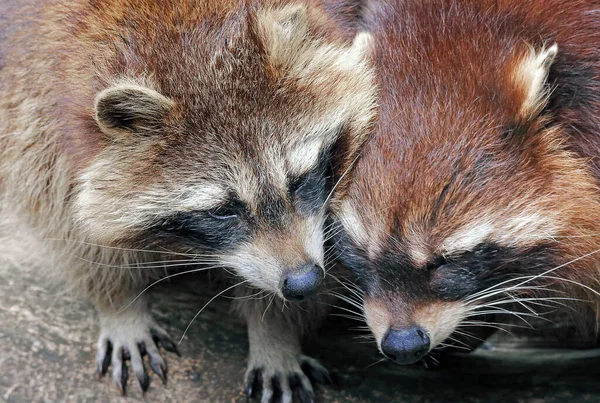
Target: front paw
125,339
280,381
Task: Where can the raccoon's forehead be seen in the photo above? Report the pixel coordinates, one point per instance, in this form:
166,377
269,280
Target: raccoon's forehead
204,181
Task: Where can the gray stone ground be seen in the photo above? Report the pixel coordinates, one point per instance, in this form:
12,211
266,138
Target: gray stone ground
47,354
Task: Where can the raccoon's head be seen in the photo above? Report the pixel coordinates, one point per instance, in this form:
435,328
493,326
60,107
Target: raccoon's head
225,141
466,200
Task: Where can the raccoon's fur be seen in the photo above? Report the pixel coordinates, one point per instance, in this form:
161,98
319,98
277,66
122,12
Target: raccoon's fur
480,186
209,132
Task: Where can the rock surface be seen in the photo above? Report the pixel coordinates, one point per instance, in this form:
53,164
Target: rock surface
47,347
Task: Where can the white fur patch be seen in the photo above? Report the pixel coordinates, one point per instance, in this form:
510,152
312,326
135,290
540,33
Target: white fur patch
202,197
313,238
257,265
524,229
304,156
468,238
418,246
353,223
361,47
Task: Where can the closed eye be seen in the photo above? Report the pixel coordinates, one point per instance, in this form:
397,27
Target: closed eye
298,184
221,215
436,263
229,211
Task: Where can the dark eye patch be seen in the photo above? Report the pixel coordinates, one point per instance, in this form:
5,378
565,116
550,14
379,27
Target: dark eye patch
215,229
488,265
309,190
233,209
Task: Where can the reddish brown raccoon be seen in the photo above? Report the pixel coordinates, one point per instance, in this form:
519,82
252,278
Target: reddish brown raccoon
482,177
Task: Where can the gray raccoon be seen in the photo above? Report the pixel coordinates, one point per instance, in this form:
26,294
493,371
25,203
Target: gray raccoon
200,127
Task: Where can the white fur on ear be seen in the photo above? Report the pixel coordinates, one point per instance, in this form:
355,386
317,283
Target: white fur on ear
362,43
292,50
284,32
532,74
352,56
130,107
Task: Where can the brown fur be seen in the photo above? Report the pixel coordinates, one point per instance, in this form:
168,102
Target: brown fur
219,91
462,151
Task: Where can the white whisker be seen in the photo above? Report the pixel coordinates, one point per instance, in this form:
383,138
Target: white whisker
166,278
202,309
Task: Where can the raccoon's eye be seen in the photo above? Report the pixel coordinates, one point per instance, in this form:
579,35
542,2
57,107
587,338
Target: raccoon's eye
229,211
298,184
436,263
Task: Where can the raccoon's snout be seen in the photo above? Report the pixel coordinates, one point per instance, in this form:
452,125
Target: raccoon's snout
405,345
300,284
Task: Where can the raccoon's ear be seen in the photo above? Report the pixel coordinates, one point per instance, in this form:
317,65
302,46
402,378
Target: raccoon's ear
282,31
531,76
292,36
131,108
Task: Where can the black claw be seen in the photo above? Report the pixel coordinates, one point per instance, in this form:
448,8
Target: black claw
165,342
294,381
124,377
142,348
169,346
305,396
316,374
126,355
159,370
277,390
103,367
257,384
144,383
249,386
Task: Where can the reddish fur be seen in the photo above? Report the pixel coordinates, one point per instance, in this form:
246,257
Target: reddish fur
445,71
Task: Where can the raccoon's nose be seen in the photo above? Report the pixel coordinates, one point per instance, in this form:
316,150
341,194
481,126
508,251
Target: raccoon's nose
302,283
406,345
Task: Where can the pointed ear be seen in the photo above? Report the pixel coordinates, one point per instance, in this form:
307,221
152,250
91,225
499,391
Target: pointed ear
283,32
531,75
362,43
128,107
293,40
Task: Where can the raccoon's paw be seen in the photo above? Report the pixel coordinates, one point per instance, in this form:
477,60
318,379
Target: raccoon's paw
280,382
130,340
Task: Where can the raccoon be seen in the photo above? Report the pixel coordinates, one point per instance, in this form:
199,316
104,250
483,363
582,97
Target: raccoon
202,132
479,188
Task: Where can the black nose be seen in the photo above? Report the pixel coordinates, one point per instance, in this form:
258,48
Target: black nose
406,345
302,283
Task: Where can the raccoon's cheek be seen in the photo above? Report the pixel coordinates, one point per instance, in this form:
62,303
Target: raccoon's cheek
99,217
